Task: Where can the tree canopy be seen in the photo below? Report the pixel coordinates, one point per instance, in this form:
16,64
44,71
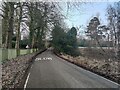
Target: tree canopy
65,42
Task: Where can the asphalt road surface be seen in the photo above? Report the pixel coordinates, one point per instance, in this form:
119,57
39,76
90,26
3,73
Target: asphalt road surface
50,71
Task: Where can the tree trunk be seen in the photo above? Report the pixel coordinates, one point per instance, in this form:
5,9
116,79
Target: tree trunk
31,26
18,33
5,25
0,33
10,29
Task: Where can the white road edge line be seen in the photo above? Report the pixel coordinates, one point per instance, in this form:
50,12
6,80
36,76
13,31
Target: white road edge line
26,81
104,78
99,76
93,73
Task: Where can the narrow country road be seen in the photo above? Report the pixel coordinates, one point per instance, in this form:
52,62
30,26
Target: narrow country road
50,71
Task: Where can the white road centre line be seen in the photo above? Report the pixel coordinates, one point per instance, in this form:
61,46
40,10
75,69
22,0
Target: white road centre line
26,81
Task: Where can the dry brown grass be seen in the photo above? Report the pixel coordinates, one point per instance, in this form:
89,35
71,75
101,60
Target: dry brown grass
96,61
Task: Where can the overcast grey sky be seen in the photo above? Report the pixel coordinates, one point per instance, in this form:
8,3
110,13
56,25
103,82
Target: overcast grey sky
86,12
